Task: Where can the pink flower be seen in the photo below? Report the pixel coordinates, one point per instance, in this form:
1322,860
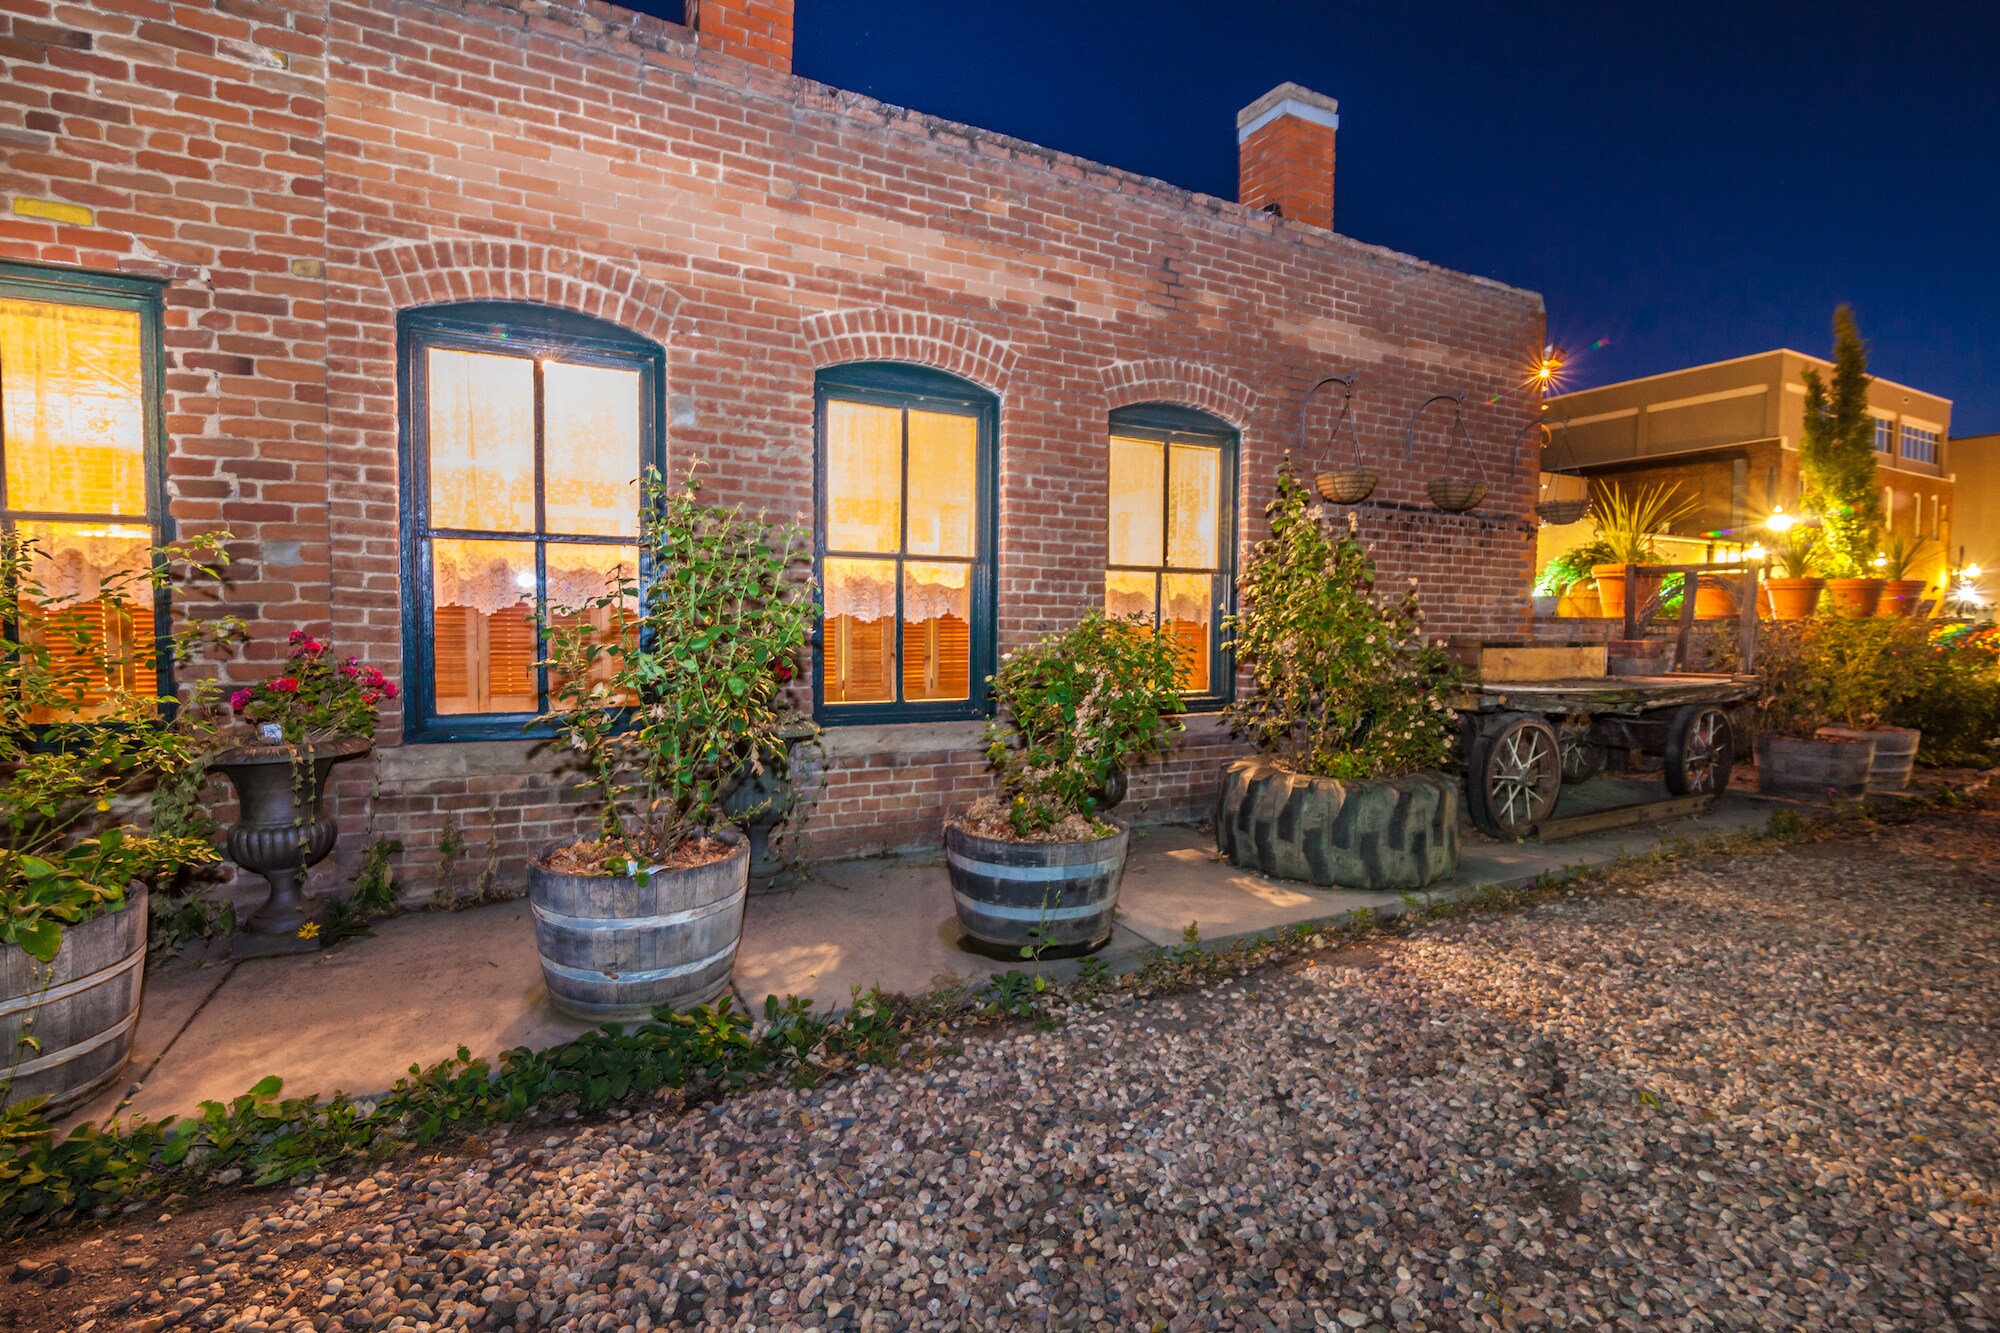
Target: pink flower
285,685
298,636
349,669
241,700
388,689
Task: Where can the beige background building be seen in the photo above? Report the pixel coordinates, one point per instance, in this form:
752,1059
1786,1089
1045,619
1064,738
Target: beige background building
1729,432
1975,464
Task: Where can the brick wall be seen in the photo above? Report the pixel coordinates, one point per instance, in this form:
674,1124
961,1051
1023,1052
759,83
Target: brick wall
302,173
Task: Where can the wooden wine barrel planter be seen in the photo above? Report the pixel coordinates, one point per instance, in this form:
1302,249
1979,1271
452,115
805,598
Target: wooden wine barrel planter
81,1009
1895,753
614,949
1789,765
1396,833
1055,895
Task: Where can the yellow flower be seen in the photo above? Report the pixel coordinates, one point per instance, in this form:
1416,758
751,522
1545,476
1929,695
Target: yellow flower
103,805
309,931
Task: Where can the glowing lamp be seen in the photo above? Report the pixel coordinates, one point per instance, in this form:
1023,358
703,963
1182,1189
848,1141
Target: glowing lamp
1780,521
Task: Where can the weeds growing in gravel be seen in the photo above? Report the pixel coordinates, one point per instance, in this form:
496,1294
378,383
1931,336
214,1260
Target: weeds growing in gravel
262,1138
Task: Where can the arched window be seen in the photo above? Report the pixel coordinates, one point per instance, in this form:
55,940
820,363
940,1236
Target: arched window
525,432
903,544
1171,547
81,476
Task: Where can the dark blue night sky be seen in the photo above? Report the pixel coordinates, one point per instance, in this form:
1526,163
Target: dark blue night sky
1683,182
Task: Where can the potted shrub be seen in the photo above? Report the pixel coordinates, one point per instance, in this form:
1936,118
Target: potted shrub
98,802
1628,532
1837,465
314,713
1039,867
1349,711
664,697
1824,686
1902,555
1794,593
1566,581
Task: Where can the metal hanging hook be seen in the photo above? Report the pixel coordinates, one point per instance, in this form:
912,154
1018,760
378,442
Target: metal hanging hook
1346,383
1454,495
1350,485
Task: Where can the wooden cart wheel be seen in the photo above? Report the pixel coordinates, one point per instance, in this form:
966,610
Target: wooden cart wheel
1701,749
1583,758
1516,773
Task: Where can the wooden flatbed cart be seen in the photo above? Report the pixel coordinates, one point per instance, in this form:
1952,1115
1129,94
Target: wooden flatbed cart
1524,739
1538,717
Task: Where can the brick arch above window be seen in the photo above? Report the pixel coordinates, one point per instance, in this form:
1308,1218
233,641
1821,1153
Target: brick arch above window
838,337
424,273
1166,380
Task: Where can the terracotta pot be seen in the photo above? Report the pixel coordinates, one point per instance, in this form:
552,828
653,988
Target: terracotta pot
1611,589
1792,599
1580,601
1901,596
1854,597
1713,599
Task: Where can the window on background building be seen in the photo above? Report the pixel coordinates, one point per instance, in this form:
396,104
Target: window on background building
905,544
1919,445
1885,435
526,433
79,462
1171,542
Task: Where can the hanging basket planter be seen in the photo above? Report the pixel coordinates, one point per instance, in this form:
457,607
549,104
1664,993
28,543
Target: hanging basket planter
1456,495
1355,482
1565,495
1350,486
1452,494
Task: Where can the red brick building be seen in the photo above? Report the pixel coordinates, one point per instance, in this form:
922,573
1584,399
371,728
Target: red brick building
413,284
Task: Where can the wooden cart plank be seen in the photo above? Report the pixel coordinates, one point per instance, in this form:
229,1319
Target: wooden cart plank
1622,816
1623,696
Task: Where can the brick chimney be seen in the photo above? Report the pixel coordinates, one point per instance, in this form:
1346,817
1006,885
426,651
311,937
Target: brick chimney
1284,151
759,31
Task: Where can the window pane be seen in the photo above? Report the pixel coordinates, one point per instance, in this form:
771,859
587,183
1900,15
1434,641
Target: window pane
94,612
1127,595
1137,479
1188,617
937,638
590,450
73,397
860,632
864,477
944,484
581,574
1196,476
482,441
484,647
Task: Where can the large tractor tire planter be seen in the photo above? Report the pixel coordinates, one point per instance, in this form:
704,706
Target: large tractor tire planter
1393,834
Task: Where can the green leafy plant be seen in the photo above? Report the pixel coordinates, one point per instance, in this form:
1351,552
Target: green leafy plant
1796,554
1345,685
313,698
1571,568
1904,554
1837,456
1630,524
83,748
1836,671
665,707
1079,705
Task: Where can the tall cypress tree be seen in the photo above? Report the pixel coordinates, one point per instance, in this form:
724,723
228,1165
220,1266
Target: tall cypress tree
1837,456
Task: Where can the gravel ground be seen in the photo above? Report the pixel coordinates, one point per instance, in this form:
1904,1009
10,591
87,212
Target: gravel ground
1756,1094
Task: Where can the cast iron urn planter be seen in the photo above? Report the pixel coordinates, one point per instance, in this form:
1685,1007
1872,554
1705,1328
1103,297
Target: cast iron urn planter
282,828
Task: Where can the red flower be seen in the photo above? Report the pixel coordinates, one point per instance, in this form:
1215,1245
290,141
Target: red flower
369,697
782,670
388,689
285,685
241,700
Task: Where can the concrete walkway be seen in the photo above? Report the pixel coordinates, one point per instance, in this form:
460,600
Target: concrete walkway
354,1018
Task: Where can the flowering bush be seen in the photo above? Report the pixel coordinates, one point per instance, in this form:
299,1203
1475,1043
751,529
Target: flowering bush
1346,687
314,698
667,707
1075,708
80,733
